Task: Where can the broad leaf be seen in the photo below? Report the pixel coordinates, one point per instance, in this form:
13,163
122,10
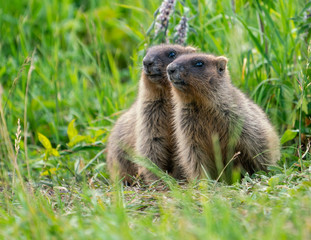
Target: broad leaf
51,171
288,135
44,141
76,139
54,152
72,131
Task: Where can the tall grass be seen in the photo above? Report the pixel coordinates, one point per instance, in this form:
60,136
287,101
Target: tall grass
65,60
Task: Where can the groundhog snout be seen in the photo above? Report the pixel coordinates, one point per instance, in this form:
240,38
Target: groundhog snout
174,73
174,70
171,69
152,66
148,62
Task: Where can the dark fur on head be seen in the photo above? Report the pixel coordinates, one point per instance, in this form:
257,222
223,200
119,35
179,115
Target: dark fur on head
158,57
199,76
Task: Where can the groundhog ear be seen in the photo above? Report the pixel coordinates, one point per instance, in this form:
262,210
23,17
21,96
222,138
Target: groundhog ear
221,64
191,49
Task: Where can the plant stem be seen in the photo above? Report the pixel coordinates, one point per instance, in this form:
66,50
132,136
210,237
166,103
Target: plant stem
300,118
25,111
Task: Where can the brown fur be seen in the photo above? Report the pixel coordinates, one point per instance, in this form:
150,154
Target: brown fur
146,127
121,140
210,110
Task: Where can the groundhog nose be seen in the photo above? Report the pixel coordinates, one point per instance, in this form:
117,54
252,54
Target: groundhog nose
171,69
148,62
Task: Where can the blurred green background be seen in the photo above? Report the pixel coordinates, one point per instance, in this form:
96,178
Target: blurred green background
86,58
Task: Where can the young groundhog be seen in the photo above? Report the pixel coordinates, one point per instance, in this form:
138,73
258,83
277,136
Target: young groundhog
214,120
146,127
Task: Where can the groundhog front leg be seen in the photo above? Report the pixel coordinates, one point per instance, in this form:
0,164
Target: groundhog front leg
157,152
119,161
196,163
122,167
177,171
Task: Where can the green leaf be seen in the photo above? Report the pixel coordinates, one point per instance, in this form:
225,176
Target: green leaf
288,135
44,141
77,166
51,171
99,133
76,139
72,131
273,181
305,106
54,152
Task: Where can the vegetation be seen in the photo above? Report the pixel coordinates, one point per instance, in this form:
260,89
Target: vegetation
69,68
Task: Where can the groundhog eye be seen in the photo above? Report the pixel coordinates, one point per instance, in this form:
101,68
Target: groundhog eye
172,54
199,64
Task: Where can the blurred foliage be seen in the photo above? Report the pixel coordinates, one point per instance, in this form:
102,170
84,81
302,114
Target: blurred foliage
87,64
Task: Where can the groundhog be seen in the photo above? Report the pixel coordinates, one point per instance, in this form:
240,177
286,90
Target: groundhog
214,120
146,127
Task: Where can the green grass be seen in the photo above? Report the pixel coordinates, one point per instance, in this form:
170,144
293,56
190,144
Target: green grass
86,59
